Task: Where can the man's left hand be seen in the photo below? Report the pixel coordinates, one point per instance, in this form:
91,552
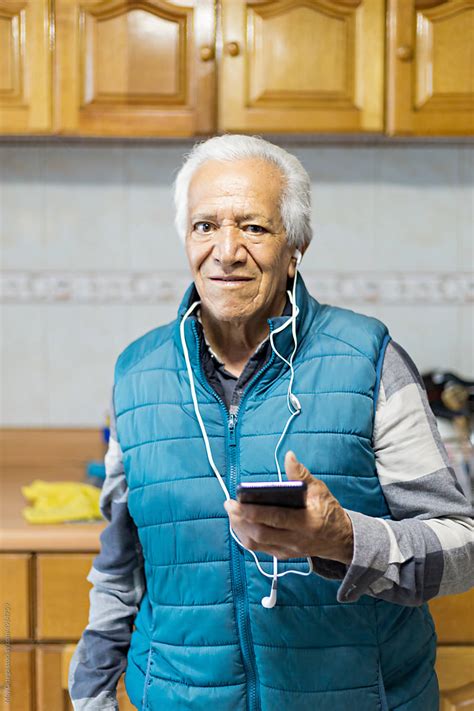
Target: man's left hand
322,529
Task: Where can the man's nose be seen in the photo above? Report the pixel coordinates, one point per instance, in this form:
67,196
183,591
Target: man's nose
230,246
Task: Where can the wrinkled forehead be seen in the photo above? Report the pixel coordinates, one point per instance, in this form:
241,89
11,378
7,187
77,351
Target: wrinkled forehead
250,185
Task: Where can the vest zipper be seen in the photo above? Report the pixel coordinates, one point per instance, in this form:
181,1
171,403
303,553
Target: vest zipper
237,558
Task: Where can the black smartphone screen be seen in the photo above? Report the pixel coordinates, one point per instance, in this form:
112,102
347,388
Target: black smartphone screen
273,493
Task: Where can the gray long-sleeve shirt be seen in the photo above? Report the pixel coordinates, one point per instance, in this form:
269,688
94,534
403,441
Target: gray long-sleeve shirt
425,551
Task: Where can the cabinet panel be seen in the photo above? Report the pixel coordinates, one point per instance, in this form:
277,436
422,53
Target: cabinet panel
129,67
455,669
51,692
302,65
15,597
62,595
17,677
454,618
431,67
25,67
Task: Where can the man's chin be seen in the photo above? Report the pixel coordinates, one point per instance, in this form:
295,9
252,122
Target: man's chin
228,310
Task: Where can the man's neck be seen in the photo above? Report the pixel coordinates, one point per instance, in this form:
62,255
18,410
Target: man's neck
234,343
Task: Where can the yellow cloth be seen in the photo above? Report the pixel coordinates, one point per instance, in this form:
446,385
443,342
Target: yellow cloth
58,501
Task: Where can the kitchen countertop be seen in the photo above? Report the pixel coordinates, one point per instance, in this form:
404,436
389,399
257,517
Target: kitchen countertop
16,534
50,455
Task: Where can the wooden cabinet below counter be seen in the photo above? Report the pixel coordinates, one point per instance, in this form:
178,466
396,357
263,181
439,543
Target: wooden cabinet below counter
454,622
62,595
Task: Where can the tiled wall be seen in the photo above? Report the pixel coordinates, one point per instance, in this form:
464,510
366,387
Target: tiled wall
393,238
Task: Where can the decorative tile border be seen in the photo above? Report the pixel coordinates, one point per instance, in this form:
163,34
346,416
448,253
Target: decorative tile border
48,287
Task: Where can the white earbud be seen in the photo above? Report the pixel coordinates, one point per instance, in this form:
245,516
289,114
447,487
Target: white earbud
270,601
298,256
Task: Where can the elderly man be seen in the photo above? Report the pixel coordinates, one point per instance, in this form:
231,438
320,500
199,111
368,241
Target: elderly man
255,376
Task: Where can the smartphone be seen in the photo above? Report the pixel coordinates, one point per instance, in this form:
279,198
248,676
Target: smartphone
273,493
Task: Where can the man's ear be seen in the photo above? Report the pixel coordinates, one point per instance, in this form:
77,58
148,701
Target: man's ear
295,261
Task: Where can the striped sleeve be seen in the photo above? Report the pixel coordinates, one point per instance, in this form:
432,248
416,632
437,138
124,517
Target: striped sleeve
427,549
118,581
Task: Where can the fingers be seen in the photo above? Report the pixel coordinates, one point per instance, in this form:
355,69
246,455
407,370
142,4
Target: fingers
277,517
263,538
281,543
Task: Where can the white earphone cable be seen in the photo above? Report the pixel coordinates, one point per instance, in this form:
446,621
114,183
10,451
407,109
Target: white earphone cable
294,408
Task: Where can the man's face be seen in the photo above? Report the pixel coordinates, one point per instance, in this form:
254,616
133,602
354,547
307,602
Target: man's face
236,243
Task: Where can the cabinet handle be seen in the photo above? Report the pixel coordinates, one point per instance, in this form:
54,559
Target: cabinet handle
206,53
232,49
405,53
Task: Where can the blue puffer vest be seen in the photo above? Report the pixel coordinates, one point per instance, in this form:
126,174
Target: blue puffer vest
202,638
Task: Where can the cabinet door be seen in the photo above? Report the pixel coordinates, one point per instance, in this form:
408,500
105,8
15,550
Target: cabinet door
302,65
25,67
454,618
430,67
455,669
62,595
134,68
17,677
15,595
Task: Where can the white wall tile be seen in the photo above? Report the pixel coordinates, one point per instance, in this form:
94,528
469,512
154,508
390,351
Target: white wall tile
343,199
149,174
143,318
22,208
24,369
416,208
466,342
465,209
83,343
429,334
85,208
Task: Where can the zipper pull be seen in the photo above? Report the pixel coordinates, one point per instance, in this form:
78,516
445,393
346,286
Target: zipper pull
232,423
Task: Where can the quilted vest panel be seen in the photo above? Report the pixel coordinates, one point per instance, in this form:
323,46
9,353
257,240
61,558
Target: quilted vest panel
201,635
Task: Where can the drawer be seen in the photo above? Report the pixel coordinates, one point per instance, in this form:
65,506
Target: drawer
454,618
15,597
455,669
17,677
62,594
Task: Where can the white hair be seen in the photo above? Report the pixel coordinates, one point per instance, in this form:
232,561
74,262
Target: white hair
295,203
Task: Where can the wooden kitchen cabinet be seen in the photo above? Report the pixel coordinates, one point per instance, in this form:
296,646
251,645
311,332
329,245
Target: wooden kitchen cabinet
25,66
132,68
17,676
455,669
454,621
62,595
52,663
430,57
15,594
289,65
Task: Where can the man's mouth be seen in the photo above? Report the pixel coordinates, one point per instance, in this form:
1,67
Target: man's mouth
230,279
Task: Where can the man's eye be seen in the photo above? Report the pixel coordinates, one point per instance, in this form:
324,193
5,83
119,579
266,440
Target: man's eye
255,229
202,228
